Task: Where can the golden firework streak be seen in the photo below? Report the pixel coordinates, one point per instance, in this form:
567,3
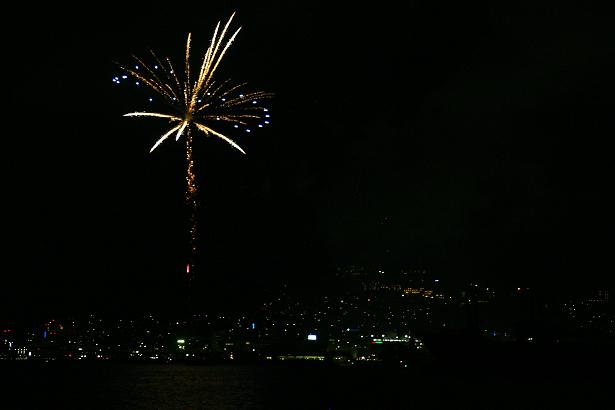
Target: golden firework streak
197,105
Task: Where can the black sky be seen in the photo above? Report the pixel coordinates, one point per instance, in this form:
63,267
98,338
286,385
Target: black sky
473,141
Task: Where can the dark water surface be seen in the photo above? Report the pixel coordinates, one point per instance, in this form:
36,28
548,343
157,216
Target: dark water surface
77,385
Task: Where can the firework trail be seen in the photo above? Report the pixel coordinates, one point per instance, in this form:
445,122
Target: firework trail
198,102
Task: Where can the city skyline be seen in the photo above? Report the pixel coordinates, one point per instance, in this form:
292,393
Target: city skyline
363,317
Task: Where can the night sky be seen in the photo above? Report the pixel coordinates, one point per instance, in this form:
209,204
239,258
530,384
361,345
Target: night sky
473,141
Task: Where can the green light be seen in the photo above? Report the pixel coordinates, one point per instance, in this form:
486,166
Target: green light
378,342
180,341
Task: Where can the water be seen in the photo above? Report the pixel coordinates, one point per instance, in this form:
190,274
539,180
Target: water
77,385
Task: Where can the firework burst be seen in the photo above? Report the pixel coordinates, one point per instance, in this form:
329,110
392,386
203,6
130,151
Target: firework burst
198,103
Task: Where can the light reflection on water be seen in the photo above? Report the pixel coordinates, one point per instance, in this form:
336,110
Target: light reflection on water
78,385
163,386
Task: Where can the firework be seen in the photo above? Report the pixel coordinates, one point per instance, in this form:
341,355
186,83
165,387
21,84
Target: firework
198,103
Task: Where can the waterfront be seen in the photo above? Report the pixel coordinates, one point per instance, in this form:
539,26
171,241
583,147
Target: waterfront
113,385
